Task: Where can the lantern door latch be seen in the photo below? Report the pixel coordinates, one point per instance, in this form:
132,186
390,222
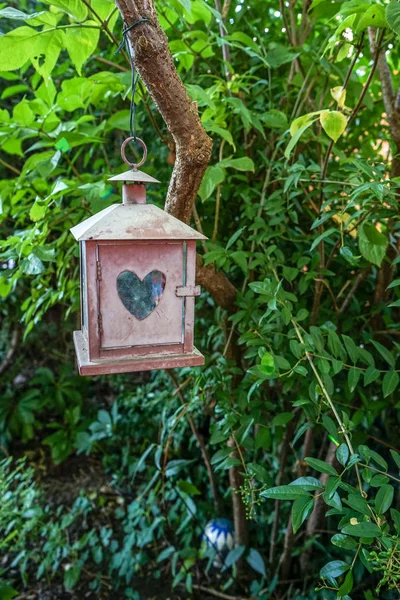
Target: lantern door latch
188,290
98,266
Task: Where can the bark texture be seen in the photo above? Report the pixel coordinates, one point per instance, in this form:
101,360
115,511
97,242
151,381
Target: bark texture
154,63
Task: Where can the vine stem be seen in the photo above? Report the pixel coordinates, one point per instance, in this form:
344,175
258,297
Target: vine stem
381,472
330,402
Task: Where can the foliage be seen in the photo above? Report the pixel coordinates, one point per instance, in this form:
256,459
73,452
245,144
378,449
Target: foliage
300,204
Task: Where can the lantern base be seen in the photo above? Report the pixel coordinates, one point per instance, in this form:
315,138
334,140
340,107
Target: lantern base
146,362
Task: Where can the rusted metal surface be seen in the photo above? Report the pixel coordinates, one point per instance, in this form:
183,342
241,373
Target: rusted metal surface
93,333
146,362
134,222
134,193
138,287
135,176
164,324
189,300
188,290
141,143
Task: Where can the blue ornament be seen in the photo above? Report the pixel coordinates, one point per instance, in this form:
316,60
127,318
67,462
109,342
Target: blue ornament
219,535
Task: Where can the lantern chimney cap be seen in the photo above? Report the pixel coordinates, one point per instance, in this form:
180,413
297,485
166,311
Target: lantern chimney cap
133,176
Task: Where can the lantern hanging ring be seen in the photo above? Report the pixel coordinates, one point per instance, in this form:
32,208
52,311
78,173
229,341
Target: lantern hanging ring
134,166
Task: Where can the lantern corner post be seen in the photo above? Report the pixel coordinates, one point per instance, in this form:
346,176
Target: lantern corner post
189,300
94,315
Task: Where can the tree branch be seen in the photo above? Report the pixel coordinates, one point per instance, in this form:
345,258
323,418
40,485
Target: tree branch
154,63
8,359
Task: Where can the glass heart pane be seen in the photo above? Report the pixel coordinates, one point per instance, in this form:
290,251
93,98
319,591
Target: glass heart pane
139,296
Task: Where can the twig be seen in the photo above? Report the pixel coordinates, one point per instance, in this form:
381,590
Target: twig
330,402
283,455
226,55
380,471
8,166
217,594
360,277
218,198
200,440
8,359
110,63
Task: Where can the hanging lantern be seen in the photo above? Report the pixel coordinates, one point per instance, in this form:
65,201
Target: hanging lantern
138,267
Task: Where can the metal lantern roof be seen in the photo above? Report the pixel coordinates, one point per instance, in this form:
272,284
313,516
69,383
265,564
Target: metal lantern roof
134,176
134,222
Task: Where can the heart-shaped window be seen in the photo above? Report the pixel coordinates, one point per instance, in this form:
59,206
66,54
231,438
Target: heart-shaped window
141,296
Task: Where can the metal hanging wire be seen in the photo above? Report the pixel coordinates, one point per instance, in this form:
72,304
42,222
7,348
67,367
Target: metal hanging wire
135,75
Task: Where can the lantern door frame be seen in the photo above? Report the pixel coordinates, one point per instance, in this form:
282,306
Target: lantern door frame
93,359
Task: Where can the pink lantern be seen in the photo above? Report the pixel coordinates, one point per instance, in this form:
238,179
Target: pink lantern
138,266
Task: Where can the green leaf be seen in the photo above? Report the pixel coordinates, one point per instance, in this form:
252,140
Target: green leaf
363,529
37,212
166,553
224,133
378,480
6,591
256,561
373,16
243,163
302,509
393,16
370,375
396,458
25,43
282,419
32,265
344,541
346,586
243,38
275,119
342,454
359,504
352,349
333,123
188,488
372,243
384,352
284,492
321,237
186,4
263,438
384,499
395,514
81,43
71,577
394,283
233,556
333,569
353,378
45,253
260,473
212,177
390,383
17,15
268,363
321,466
368,454
297,131
198,94
308,484
74,8
235,237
